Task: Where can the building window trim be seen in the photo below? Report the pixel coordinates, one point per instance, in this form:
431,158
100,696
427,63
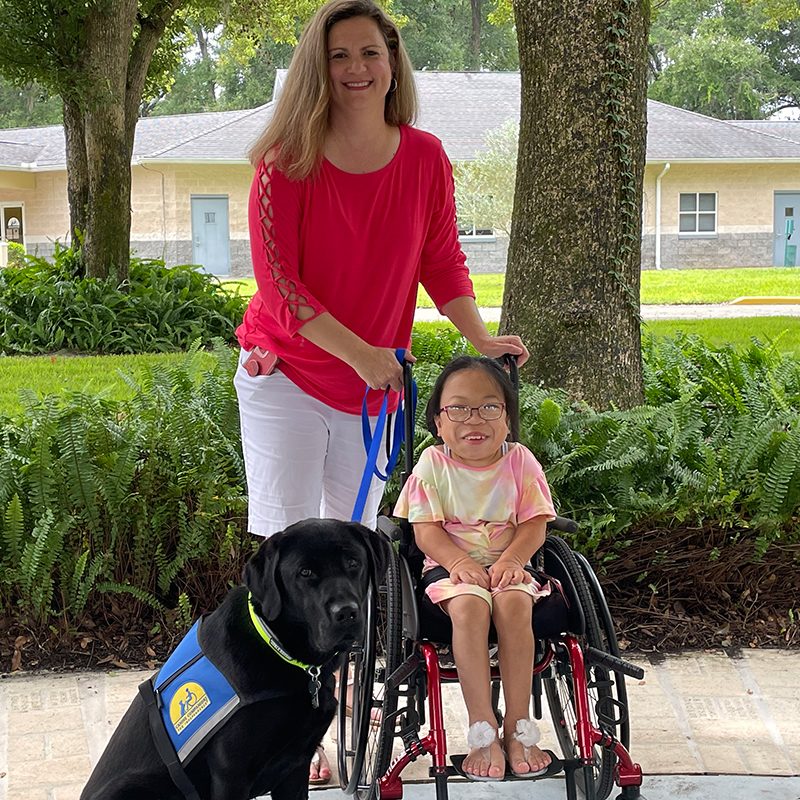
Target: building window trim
475,234
690,207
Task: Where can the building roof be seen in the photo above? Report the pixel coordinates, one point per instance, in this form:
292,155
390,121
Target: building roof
461,108
674,134
786,129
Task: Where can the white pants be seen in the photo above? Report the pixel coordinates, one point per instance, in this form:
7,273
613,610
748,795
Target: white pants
302,458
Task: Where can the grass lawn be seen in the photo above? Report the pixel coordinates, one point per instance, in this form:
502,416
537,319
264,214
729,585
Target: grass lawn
100,375
785,331
58,374
667,286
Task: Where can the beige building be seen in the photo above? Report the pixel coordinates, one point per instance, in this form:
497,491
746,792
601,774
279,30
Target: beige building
716,193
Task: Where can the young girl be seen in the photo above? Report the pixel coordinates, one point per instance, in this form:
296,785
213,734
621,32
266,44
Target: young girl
479,505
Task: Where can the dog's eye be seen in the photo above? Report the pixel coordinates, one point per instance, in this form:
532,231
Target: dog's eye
353,563
305,572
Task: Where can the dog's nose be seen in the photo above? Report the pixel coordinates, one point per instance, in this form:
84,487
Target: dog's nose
344,612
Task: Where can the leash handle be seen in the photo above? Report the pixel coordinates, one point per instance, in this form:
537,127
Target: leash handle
372,439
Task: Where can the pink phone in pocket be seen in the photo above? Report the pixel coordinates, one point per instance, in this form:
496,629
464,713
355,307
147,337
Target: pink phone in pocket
260,362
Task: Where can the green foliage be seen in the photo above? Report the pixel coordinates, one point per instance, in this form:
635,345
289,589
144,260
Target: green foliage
717,443
718,75
143,500
27,105
100,498
44,308
485,186
729,59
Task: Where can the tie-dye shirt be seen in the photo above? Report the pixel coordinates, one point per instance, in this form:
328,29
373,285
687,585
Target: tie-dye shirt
479,507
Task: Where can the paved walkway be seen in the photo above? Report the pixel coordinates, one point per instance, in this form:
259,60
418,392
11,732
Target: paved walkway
695,714
655,312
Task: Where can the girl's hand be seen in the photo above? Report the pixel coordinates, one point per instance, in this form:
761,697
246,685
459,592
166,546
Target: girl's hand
496,346
379,368
507,573
468,571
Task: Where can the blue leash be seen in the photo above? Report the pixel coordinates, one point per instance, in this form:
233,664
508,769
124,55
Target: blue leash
372,441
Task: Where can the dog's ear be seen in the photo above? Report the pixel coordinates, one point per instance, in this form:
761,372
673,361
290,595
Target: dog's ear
379,550
261,577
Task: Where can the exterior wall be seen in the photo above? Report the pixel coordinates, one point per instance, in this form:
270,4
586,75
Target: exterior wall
745,209
488,255
179,182
161,224
45,210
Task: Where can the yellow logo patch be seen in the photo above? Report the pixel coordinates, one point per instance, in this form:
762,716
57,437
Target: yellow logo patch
187,703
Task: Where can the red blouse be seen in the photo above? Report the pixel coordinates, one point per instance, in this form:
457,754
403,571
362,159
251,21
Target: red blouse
356,246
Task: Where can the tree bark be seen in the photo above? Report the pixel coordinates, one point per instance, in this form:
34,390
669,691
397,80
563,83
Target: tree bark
475,36
77,171
572,284
101,129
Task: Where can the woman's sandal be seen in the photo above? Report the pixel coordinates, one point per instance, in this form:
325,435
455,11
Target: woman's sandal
528,734
316,761
482,735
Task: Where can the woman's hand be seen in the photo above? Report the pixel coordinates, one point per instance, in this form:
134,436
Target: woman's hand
466,570
507,572
496,346
379,368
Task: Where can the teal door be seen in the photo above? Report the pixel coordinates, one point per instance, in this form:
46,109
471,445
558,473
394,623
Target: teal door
787,230
210,235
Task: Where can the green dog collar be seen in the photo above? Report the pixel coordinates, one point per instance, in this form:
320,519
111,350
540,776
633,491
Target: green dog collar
272,640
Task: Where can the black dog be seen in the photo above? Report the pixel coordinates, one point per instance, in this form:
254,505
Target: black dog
308,583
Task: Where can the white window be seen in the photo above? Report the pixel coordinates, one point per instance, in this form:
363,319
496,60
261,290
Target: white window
698,213
468,230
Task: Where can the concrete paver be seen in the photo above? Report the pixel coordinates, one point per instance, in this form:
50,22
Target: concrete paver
693,714
657,312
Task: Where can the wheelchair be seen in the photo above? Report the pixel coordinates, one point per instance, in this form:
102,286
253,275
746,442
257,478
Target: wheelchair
398,668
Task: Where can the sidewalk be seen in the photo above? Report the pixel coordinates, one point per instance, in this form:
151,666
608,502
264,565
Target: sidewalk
655,312
694,714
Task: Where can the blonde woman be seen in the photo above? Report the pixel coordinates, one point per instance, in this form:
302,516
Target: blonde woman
351,208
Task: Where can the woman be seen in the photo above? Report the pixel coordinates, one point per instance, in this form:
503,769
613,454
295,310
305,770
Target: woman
350,209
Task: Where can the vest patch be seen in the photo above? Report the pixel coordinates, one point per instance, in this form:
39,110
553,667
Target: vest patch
194,697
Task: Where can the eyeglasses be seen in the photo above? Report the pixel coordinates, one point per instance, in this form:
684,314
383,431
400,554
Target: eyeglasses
488,412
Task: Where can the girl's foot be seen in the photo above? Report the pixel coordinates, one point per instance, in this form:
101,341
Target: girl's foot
485,760
319,771
523,755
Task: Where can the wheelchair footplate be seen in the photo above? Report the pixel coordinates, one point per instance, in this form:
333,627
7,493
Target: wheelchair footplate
555,766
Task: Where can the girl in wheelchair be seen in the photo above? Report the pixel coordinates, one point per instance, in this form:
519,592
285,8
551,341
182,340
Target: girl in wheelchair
479,505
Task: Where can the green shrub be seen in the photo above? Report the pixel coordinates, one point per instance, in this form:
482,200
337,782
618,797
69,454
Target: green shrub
16,255
143,498
45,308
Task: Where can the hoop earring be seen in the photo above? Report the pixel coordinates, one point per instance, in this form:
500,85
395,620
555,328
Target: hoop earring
393,86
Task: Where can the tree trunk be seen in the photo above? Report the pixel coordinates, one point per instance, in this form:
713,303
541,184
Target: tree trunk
100,129
205,57
572,284
77,171
475,36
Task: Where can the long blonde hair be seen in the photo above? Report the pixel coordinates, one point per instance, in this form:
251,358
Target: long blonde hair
296,132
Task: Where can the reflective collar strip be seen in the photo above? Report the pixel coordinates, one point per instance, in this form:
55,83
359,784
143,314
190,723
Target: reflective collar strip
271,639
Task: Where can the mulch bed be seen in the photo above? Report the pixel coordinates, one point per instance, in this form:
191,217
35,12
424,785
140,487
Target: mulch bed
668,590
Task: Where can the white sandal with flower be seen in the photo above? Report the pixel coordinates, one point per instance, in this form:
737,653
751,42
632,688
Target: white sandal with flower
528,734
481,736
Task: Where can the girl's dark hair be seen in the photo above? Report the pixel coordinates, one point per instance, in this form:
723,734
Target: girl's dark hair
495,371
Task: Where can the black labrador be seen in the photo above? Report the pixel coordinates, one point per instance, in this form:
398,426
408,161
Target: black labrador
308,583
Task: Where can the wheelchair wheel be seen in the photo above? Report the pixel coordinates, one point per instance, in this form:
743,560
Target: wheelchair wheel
616,717
365,748
559,689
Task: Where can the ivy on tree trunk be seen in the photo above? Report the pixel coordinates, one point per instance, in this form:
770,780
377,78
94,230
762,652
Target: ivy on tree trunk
573,277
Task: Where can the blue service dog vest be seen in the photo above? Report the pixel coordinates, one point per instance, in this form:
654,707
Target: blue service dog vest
188,701
194,697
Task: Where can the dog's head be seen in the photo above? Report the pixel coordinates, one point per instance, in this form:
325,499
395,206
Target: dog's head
311,581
